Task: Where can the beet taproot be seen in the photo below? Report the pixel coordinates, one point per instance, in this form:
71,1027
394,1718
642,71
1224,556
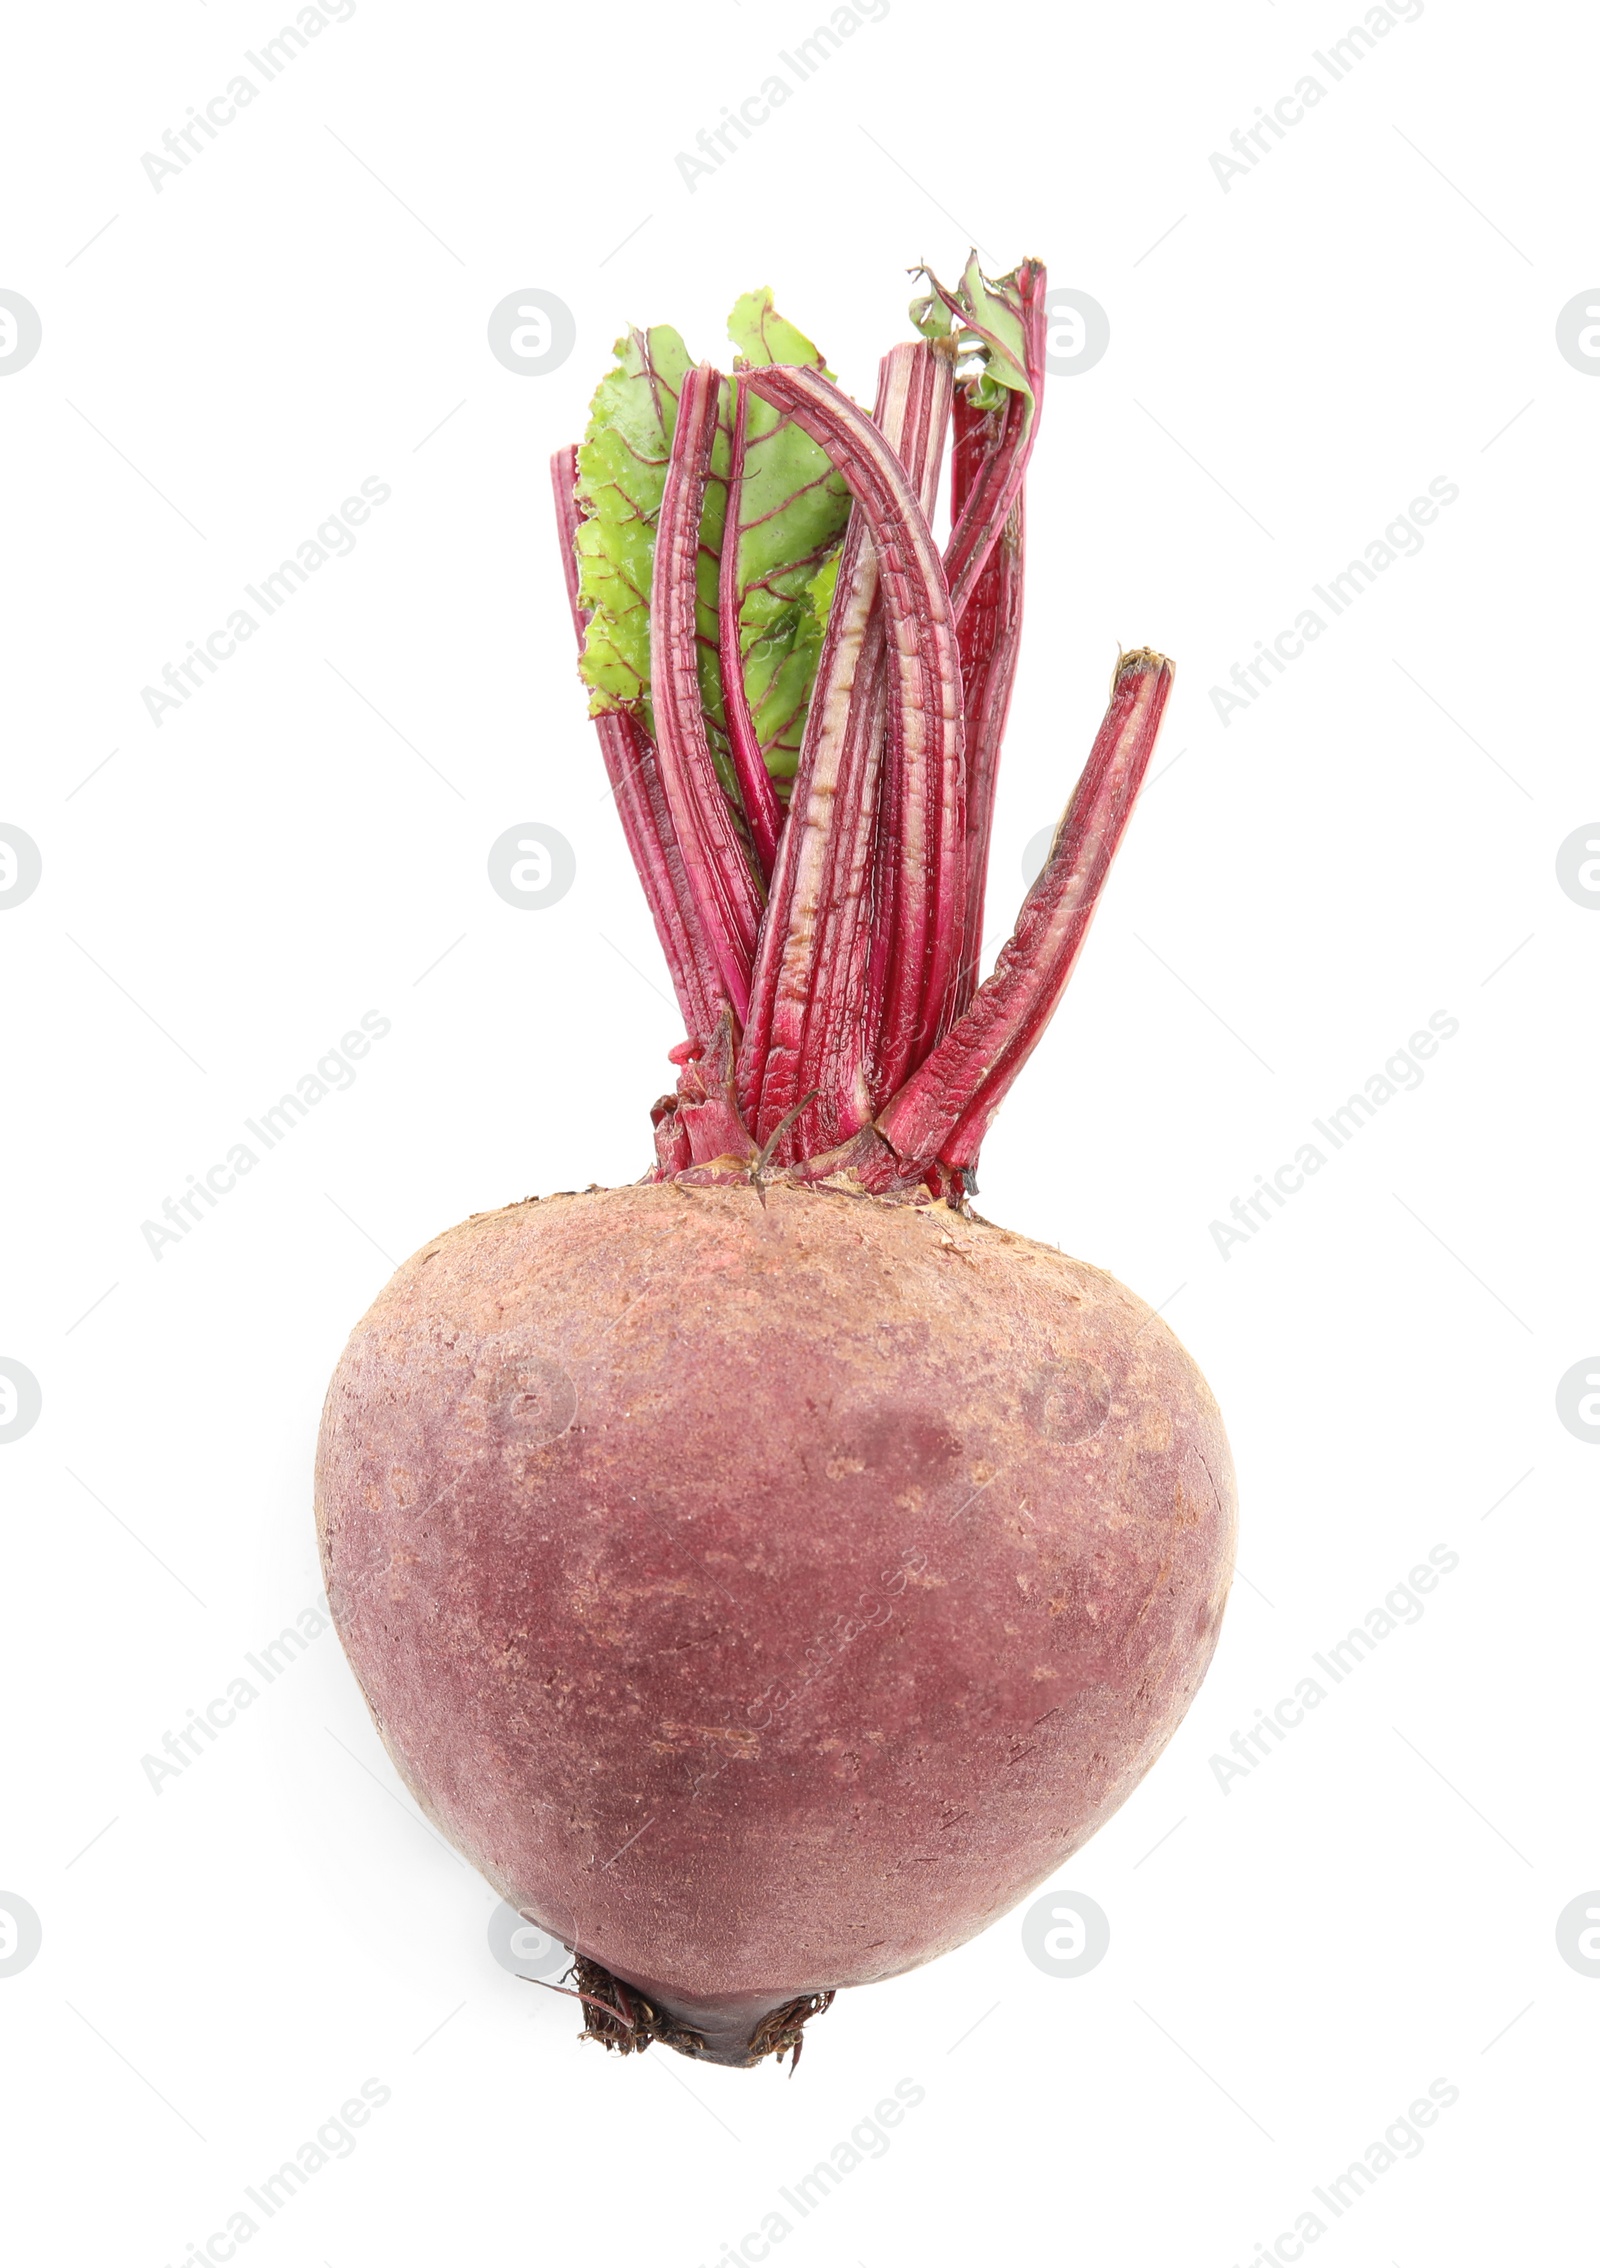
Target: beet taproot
767,1595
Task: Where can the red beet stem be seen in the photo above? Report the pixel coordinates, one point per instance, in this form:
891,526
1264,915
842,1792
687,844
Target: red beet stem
894,875
990,640
808,1026
840,1046
707,1108
836,1046
926,841
840,718
630,762
762,809
973,433
944,1109
984,563
720,878
998,480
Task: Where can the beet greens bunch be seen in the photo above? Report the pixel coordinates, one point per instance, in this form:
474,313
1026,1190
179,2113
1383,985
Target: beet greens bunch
801,699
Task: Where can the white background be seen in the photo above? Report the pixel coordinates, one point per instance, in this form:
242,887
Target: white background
1292,360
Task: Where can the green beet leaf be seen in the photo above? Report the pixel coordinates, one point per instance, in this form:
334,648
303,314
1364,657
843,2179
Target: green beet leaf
622,463
793,507
987,320
791,511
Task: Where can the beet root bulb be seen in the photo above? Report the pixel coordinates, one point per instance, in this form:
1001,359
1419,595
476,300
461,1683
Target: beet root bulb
766,1588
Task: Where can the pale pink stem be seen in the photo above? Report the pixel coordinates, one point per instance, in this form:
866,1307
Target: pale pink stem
630,763
807,1027
762,810
836,1047
785,977
925,721
885,972
720,877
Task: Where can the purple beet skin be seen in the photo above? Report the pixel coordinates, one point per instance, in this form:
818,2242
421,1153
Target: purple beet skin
765,1597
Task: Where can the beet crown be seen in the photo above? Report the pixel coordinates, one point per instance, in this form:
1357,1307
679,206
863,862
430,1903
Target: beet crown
800,698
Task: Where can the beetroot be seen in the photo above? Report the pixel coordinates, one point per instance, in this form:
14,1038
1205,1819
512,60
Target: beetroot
769,1573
